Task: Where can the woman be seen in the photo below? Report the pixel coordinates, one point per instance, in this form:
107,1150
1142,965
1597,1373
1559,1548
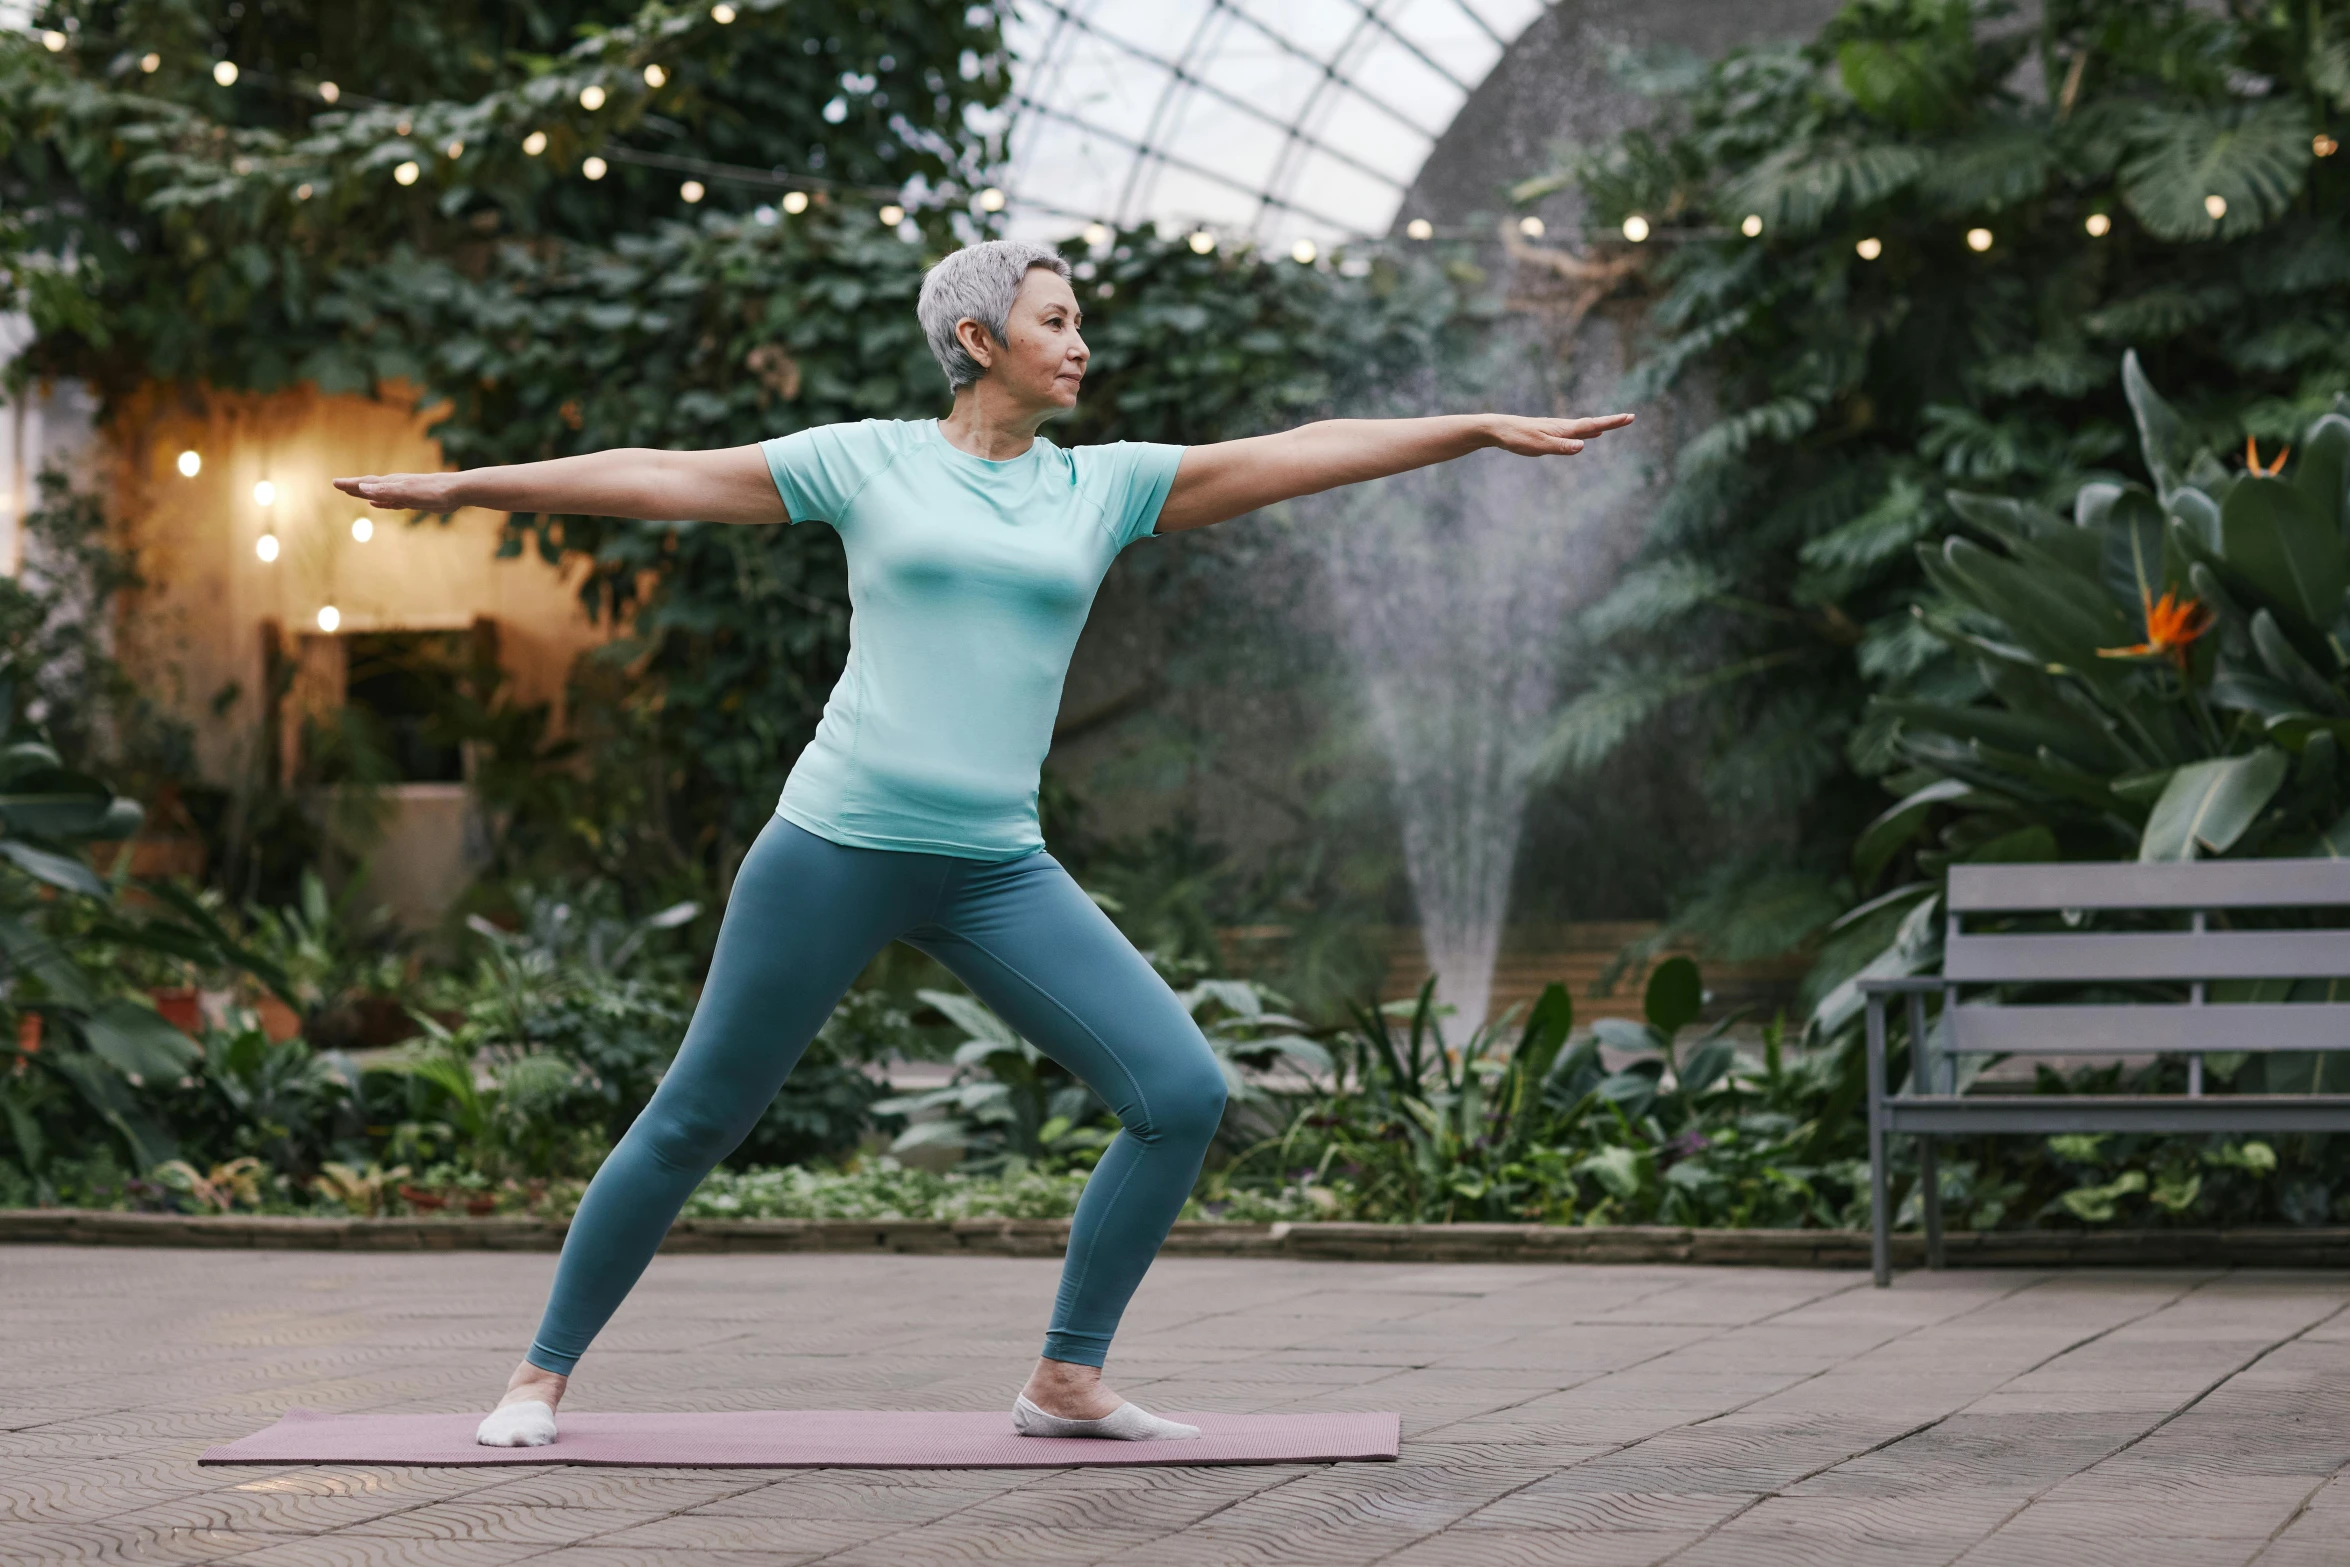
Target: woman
974,549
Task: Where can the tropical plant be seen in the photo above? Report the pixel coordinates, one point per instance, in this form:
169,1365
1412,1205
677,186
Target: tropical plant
1897,258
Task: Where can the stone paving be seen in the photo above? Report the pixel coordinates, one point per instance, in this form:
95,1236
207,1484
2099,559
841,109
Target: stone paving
1552,1416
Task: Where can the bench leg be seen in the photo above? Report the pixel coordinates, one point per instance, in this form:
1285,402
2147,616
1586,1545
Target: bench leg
1930,1177
1880,1212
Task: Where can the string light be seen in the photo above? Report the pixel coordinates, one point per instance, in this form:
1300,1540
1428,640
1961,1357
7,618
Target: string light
150,63
1636,229
266,547
795,202
591,97
407,172
1420,228
764,214
302,193
1202,242
1302,252
655,76
1869,249
692,191
991,200
191,463
403,125
1530,226
2216,207
329,617
54,42
455,149
328,92
1751,225
265,494
892,215
1978,240
2323,145
225,73
362,529
594,168
722,14
2098,225
1097,235
534,144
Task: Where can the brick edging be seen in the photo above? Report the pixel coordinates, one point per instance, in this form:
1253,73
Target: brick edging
2278,1248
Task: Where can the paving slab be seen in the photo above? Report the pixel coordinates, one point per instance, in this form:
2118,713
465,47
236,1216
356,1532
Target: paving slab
1555,1415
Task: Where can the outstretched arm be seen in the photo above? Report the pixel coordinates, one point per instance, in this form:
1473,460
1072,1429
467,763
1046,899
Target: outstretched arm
1231,477
728,485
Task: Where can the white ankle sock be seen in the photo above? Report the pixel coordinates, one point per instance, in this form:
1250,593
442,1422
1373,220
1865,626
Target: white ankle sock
526,1424
1126,1423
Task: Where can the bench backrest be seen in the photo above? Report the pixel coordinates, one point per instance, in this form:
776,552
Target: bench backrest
2181,955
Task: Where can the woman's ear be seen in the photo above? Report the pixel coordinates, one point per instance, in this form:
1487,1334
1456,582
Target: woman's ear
977,341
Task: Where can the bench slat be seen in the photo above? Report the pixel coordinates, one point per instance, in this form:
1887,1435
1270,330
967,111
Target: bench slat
2162,955
1979,1028
2193,884
1972,1113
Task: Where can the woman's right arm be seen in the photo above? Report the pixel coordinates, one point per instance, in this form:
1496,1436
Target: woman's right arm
728,485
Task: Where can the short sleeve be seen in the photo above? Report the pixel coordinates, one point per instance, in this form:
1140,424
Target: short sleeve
1129,480
819,471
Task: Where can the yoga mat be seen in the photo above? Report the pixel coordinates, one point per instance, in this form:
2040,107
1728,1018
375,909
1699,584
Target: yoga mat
808,1439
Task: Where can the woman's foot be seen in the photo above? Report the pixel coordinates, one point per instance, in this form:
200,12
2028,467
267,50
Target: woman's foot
525,1417
1066,1399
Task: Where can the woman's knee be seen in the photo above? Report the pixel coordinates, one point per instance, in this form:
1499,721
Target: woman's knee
1188,1107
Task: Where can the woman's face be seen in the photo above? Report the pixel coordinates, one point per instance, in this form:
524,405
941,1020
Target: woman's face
1043,363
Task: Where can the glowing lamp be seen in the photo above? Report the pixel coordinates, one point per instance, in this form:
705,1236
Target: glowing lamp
265,494
591,97
892,215
2098,225
54,42
329,617
722,14
1869,249
1530,226
191,463
266,547
534,144
150,62
1751,225
795,202
1097,235
1978,240
1202,242
362,529
1420,228
691,191
594,168
655,76
1302,252
329,92
2216,207
991,200
1636,228
407,172
225,73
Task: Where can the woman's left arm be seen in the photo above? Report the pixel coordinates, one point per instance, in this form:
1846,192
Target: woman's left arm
1229,478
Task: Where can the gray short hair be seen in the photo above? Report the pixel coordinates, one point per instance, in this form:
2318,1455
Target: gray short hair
976,283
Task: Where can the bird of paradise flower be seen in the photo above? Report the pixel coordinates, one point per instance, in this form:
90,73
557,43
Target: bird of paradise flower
2172,626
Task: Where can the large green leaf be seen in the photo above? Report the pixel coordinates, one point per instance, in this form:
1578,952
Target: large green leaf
2275,538
1675,996
2162,434
2134,556
58,870
2208,805
1882,838
2252,156
2048,614
56,803
137,1042
2323,473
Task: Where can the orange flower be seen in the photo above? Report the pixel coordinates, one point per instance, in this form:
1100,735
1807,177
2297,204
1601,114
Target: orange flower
2171,628
2252,461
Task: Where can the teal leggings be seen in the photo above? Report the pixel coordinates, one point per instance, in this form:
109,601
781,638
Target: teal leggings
805,917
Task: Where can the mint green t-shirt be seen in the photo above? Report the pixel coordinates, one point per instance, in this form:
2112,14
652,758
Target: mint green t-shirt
968,583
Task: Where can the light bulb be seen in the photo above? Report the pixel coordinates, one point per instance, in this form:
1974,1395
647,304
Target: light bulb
266,547
302,192
191,463
455,149
225,73
1097,235
2323,145
403,126
1530,226
691,191
54,42
1420,228
1978,240
991,200
795,201
594,168
1636,228
534,144
1751,225
2216,206
722,14
1870,249
892,215
1202,241
150,63
764,214
329,617
362,529
265,494
655,76
1302,252
2098,225
407,172
329,91
591,98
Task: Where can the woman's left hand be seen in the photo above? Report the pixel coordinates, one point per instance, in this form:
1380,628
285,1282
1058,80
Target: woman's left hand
1550,437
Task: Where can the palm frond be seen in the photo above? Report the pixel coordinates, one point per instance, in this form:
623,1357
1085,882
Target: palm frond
1798,187
1780,419
1992,169
1652,596
2252,157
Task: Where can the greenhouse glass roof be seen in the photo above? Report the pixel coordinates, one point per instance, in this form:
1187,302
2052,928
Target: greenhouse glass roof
1278,119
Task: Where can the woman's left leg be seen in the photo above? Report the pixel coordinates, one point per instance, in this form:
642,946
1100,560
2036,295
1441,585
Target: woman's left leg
1034,947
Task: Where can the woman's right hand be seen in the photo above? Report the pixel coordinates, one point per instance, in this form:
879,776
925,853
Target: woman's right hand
406,491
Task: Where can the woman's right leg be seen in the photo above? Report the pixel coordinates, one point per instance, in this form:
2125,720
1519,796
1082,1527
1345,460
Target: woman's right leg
803,920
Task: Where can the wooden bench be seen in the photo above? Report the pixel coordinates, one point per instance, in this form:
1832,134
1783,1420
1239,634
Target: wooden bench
1932,1106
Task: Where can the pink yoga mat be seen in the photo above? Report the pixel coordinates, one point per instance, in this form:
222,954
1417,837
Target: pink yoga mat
808,1439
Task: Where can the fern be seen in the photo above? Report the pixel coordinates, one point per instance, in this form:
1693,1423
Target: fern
1780,419
1993,169
1797,188
2251,157
2161,313
1900,517
1652,596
